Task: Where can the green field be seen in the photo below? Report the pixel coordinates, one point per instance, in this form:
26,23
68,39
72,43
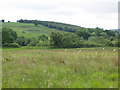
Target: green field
30,30
60,68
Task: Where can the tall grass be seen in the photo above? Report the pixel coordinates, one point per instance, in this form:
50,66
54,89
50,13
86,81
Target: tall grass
61,68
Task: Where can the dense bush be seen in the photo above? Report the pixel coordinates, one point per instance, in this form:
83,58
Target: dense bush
34,42
56,39
83,33
8,35
71,41
11,45
65,40
90,44
74,41
23,41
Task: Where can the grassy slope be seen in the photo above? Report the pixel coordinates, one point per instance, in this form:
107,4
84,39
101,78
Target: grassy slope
75,68
30,29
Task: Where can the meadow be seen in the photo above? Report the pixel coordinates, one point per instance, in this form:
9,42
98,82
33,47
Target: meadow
60,68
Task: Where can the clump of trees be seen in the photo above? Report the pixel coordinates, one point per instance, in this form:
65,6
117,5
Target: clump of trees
3,20
56,39
83,33
68,40
8,35
83,38
11,39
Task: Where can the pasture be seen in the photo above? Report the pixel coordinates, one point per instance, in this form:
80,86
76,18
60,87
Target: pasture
60,68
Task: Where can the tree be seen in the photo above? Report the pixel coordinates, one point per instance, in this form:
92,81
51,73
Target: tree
34,42
35,22
20,21
43,38
110,33
103,34
3,20
23,41
56,39
71,41
83,33
8,35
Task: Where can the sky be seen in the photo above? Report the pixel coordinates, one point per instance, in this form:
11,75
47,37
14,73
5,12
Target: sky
85,13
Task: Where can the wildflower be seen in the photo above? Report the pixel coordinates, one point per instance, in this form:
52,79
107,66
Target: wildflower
79,50
110,87
114,50
44,70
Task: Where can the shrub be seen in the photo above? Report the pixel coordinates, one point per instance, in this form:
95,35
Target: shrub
88,44
33,43
23,41
12,45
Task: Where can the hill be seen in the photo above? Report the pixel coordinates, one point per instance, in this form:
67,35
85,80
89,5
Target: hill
30,30
55,25
70,36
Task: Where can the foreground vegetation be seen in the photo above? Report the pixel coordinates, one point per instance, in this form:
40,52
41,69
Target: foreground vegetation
60,68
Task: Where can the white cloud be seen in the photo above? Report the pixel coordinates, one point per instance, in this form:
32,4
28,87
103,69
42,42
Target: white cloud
93,13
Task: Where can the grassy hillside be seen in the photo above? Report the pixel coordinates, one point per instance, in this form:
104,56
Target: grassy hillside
30,30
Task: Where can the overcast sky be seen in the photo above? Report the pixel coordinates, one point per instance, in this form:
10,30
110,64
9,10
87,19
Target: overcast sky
85,13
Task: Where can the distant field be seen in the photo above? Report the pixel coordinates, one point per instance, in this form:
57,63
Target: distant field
30,30
60,68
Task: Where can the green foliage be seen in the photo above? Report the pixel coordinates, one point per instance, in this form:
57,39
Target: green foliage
71,41
11,45
8,35
74,41
98,31
34,42
43,40
43,37
56,39
23,41
83,33
100,40
85,40
35,22
41,43
110,33
91,44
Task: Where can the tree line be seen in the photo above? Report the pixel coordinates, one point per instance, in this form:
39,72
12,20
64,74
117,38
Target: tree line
81,38
55,25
